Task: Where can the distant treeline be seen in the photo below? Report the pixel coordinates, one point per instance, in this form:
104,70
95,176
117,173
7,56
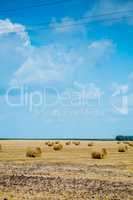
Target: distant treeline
118,138
124,138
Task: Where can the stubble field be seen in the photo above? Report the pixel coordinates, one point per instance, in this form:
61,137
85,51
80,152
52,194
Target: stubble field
67,173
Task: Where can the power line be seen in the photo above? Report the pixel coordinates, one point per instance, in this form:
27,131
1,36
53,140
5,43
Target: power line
79,24
82,20
86,20
110,13
43,4
91,17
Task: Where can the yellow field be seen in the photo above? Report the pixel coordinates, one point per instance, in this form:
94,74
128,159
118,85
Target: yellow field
68,173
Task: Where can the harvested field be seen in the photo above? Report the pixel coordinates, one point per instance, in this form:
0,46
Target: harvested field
67,174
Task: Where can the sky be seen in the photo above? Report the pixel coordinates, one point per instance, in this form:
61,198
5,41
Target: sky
66,68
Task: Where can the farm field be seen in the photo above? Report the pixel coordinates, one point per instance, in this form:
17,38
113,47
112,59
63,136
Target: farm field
66,173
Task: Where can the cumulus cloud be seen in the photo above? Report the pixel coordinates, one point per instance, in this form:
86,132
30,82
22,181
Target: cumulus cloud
55,62
15,47
7,27
51,63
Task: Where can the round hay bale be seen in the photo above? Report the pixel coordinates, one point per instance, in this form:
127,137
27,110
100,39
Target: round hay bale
46,143
97,155
90,144
68,142
121,149
57,142
50,144
76,143
32,153
57,147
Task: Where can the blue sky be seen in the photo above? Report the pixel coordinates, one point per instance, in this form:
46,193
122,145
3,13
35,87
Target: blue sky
72,80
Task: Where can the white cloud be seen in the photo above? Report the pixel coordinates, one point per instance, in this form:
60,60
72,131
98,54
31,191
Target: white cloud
104,8
100,50
66,25
15,47
57,63
53,63
7,27
102,45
